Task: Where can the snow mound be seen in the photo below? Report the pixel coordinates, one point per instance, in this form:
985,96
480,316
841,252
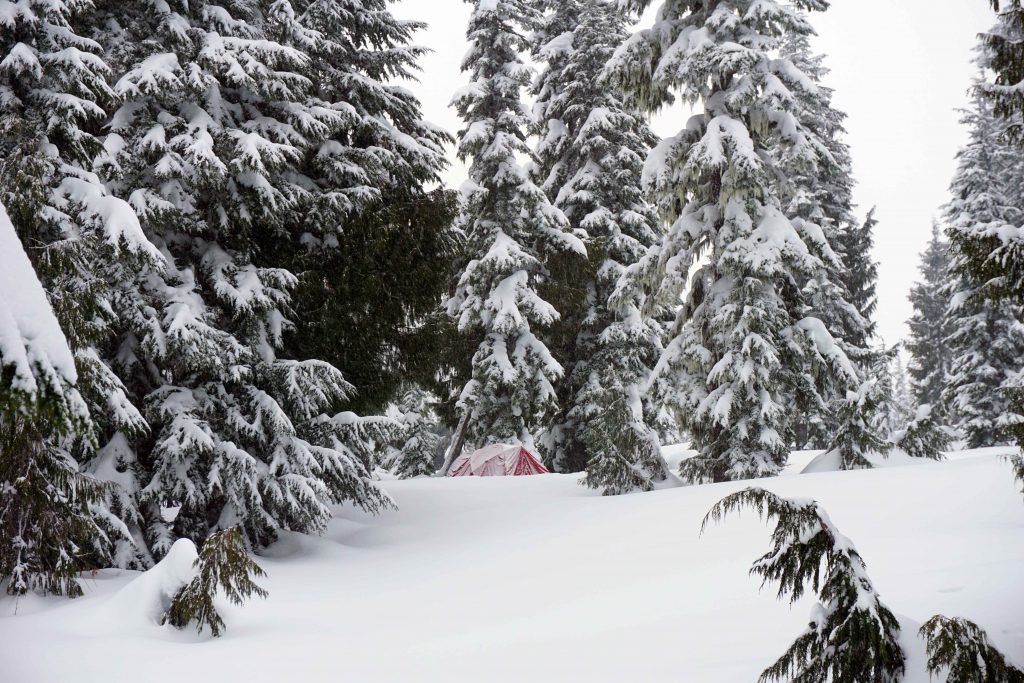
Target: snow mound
830,461
146,599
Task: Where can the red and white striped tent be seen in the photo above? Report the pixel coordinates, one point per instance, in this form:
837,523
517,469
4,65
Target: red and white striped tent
497,460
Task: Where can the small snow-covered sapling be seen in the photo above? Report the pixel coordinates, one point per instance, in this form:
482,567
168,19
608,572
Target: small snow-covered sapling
223,563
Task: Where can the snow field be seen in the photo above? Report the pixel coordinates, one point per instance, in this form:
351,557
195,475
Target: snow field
537,578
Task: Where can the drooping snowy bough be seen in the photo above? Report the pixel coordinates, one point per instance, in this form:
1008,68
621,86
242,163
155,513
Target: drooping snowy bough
852,637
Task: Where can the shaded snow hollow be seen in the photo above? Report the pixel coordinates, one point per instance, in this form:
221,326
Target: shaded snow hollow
537,578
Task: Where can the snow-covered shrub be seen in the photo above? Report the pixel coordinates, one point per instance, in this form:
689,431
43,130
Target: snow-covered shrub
418,439
852,637
224,565
923,437
857,435
962,648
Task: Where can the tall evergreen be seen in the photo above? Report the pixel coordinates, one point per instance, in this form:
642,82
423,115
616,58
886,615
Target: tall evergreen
389,233
824,195
83,242
860,275
986,336
225,147
49,529
1003,47
513,233
589,162
746,341
930,357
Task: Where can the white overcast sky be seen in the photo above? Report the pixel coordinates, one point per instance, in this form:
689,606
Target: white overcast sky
900,69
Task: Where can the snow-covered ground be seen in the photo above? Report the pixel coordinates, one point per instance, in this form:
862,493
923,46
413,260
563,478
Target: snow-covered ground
538,579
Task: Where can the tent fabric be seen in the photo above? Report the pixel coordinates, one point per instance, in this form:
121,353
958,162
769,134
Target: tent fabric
497,460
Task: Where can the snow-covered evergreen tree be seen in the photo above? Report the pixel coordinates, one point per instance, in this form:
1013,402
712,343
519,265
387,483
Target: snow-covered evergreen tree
823,195
746,340
930,357
860,275
49,528
589,162
222,145
84,242
513,232
859,433
1004,55
852,636
986,335
419,439
222,566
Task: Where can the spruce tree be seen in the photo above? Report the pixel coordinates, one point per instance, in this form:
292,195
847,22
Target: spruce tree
589,162
223,146
746,341
924,436
386,231
512,232
930,357
852,636
859,434
418,434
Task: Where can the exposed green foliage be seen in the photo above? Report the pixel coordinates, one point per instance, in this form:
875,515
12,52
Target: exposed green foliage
223,564
852,636
963,648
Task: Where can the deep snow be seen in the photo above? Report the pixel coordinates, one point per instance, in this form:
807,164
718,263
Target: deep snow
537,578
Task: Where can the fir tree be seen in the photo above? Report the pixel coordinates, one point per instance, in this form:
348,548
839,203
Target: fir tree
930,357
589,163
987,341
852,636
962,649
223,145
823,195
387,232
512,233
746,341
223,565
